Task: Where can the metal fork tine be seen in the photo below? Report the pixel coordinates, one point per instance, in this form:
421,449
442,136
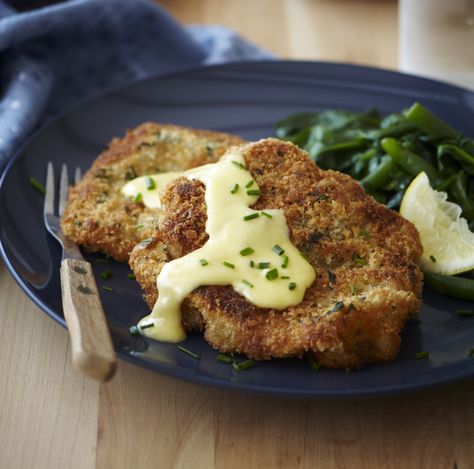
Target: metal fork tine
77,175
49,197
63,189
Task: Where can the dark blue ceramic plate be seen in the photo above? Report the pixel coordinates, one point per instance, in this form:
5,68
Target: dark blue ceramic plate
246,99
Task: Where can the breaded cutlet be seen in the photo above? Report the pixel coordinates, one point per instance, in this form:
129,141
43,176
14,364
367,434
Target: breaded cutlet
99,217
365,256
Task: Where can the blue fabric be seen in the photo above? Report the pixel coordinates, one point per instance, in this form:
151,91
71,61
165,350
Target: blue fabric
52,58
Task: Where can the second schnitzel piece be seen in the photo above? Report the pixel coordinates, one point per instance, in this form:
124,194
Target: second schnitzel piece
99,217
365,257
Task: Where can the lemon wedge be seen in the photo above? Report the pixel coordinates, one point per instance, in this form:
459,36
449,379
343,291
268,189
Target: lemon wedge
448,244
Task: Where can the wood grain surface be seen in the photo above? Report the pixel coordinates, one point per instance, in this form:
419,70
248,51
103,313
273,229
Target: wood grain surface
53,417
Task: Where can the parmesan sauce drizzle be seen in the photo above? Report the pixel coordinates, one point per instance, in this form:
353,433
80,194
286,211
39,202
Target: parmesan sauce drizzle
248,249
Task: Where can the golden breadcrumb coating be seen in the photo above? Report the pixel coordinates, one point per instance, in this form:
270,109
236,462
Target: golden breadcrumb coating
99,217
366,256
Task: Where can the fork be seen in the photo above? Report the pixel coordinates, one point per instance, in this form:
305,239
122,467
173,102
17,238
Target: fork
91,345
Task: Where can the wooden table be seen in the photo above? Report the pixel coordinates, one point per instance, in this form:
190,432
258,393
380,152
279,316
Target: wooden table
52,417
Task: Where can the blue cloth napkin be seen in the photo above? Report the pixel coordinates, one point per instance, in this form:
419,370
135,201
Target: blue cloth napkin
52,58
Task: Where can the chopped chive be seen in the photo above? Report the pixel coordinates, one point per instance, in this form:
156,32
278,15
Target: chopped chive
278,250
150,183
107,288
224,358
471,352
315,366
134,331
229,264
252,264
249,184
38,186
139,227
234,189
263,265
203,262
291,286
146,326
353,290
102,261
188,352
246,251
265,214
284,277
106,274
239,165
138,198
246,282
364,233
131,276
251,216
432,258
284,264
359,260
253,192
465,312
272,274
245,365
421,355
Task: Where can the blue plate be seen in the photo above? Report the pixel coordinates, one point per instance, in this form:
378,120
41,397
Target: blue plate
246,99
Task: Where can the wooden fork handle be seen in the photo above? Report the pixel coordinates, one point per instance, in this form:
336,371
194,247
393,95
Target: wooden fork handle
91,344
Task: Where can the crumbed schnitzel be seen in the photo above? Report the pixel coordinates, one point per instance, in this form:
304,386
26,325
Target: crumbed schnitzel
100,218
365,256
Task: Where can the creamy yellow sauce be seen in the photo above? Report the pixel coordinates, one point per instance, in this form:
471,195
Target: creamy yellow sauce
148,188
248,249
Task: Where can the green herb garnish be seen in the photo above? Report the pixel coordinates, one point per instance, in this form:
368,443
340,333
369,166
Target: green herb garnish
246,251
278,250
291,286
188,352
465,312
138,198
353,290
139,227
246,282
263,265
229,264
245,365
421,355
251,216
234,189
106,274
364,233
284,277
107,288
38,186
252,264
150,183
203,262
249,184
359,260
432,258
224,358
265,214
272,274
131,276
239,165
284,264
253,192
